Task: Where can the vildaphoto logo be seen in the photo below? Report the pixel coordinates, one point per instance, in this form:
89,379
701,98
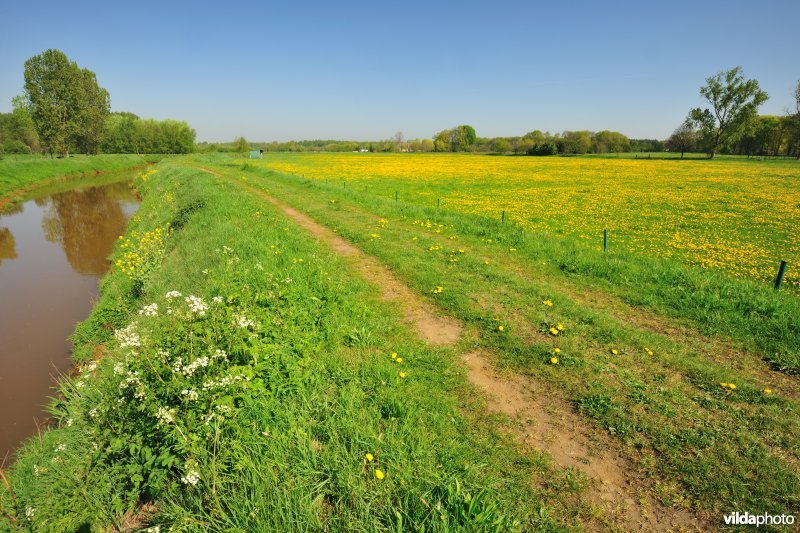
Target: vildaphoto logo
747,519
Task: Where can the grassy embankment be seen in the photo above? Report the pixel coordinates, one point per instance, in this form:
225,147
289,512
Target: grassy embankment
264,396
694,373
20,175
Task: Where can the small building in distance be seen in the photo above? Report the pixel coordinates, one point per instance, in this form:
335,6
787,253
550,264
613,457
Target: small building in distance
256,154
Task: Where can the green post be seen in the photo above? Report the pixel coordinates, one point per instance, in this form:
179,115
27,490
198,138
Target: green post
605,241
344,184
781,273
503,217
395,196
438,202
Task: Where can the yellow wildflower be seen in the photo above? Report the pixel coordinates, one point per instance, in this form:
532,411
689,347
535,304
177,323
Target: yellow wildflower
379,474
369,457
548,303
554,360
500,327
553,331
402,375
399,359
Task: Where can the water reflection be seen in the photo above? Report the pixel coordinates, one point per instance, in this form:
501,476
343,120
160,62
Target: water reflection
86,223
7,248
53,251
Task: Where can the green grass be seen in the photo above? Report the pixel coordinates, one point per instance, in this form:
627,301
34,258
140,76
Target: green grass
313,389
709,447
18,172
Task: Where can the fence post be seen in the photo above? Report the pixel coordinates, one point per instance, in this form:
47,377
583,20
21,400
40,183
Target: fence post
503,217
438,202
344,185
781,273
605,241
395,196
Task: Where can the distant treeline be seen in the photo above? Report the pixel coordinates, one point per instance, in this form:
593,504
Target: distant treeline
63,110
533,143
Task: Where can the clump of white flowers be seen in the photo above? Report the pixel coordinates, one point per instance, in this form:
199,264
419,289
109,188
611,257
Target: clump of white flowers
127,337
192,476
149,310
243,322
196,305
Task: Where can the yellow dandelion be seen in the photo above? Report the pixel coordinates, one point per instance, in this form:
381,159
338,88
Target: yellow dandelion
614,351
398,359
560,327
548,303
767,391
554,360
556,350
500,327
553,331
379,474
394,355
402,375
723,384
731,386
369,457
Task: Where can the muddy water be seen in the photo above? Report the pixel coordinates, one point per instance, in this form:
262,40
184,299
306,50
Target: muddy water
53,251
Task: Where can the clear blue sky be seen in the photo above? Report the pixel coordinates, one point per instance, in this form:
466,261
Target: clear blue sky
353,70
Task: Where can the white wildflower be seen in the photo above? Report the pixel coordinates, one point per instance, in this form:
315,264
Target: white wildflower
173,294
287,281
165,416
219,354
190,393
61,447
29,512
91,367
243,322
192,367
69,422
128,337
218,299
196,305
192,475
259,266
149,310
119,368
93,412
35,470
80,384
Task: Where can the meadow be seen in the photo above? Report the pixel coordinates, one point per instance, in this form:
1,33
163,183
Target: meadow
735,215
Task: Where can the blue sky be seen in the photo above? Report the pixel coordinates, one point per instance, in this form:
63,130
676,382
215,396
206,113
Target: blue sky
364,70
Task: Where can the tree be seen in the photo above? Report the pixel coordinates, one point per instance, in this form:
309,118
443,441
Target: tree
242,145
734,105
501,145
441,141
67,105
683,139
53,85
95,109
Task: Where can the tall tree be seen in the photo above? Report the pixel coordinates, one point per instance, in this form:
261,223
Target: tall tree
734,104
95,109
67,105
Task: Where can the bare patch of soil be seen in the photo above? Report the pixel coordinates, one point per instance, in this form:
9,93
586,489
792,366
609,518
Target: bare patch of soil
548,423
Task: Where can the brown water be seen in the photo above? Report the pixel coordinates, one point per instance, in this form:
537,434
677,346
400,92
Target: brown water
53,251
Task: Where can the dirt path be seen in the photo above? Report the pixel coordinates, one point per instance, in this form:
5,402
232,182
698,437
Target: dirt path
541,418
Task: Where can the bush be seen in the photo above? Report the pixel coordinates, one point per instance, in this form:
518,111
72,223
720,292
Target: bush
544,149
15,147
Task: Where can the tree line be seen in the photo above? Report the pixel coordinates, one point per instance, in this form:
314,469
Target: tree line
461,139
64,110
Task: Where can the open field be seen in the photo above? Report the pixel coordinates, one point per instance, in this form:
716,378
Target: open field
736,215
335,360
